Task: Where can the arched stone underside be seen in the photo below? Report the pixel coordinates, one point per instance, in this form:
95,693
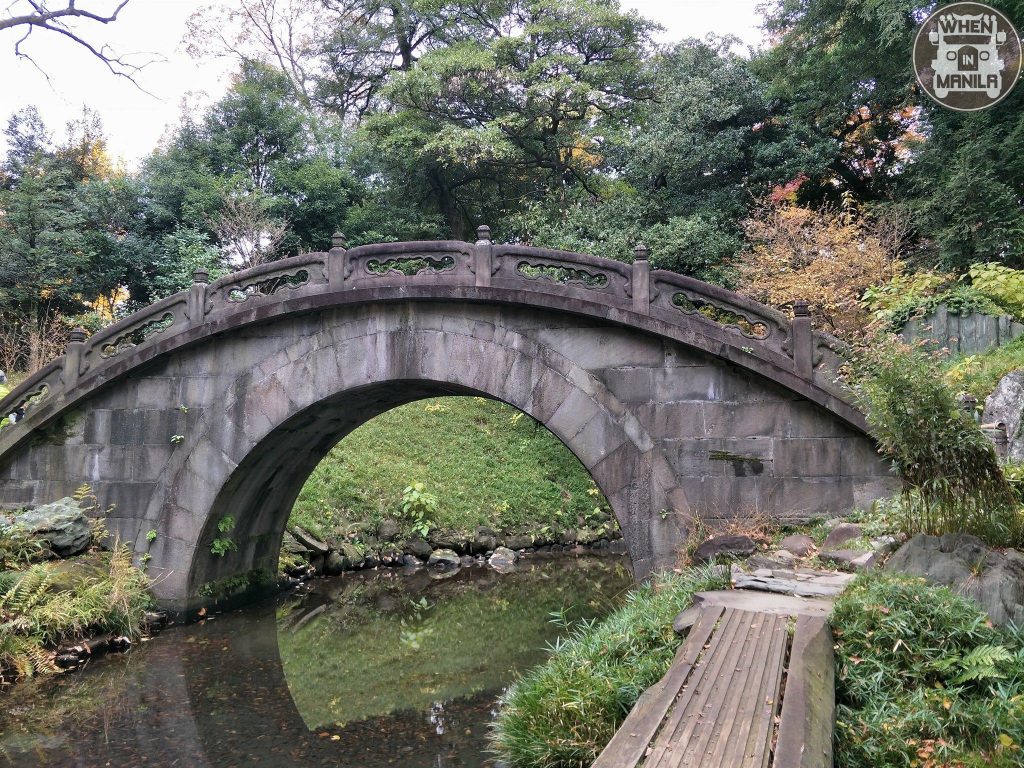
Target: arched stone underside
229,417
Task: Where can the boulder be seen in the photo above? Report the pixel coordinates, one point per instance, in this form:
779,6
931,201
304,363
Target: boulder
446,540
798,544
63,525
483,542
617,547
1005,405
411,561
292,546
334,563
309,541
851,559
724,546
351,552
841,534
518,542
387,530
419,547
444,560
503,560
993,580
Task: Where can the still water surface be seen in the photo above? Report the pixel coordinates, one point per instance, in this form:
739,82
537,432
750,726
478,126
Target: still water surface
368,670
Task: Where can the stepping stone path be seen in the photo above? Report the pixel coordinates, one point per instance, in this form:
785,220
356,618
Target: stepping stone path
781,573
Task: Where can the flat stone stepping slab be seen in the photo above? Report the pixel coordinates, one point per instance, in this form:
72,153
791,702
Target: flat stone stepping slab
719,703
802,583
781,605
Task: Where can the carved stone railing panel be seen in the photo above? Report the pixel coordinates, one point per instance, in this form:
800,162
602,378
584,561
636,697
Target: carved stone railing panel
750,322
551,271
30,394
415,263
752,329
156,321
268,282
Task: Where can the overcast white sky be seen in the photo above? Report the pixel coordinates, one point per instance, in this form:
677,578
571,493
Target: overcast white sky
135,120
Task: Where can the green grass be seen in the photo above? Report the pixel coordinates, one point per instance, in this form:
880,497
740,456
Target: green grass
563,713
979,374
485,462
923,679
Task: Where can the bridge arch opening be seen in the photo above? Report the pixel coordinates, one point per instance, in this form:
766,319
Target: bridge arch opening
462,473
261,493
249,456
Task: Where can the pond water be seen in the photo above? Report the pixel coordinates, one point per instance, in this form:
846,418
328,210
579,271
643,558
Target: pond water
365,670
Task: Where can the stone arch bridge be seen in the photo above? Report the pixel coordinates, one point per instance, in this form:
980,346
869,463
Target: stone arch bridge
679,397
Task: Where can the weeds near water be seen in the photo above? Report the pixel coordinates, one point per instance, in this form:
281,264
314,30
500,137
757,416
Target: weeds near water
50,604
561,714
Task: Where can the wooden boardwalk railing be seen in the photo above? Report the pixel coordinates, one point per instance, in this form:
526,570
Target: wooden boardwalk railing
721,703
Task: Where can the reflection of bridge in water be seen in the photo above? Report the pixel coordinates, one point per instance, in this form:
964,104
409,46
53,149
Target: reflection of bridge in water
268,686
679,397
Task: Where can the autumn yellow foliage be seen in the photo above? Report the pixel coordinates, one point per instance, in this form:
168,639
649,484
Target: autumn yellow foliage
827,256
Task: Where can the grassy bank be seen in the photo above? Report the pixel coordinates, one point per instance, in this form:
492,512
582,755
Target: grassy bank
979,374
561,714
923,679
482,463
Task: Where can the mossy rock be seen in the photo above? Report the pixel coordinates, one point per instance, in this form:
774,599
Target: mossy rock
67,575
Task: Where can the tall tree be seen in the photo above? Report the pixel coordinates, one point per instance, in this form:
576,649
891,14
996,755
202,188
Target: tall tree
861,126
481,126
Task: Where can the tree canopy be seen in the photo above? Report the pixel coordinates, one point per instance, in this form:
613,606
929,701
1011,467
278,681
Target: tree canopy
558,123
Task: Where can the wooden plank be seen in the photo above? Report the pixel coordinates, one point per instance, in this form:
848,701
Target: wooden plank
724,628
808,709
689,710
630,742
768,705
724,704
739,740
728,748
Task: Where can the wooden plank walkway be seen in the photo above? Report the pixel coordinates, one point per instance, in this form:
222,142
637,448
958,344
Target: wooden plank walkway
720,701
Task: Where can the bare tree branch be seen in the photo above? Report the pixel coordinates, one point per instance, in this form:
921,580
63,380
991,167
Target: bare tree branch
32,15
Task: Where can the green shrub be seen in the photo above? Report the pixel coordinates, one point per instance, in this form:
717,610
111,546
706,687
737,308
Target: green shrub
563,713
953,478
922,678
42,608
919,294
979,374
419,507
1001,284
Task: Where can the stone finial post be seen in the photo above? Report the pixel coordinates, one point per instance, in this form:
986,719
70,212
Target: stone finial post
336,261
641,280
803,340
483,254
197,297
73,357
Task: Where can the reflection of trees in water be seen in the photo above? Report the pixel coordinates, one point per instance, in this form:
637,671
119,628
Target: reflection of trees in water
441,640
